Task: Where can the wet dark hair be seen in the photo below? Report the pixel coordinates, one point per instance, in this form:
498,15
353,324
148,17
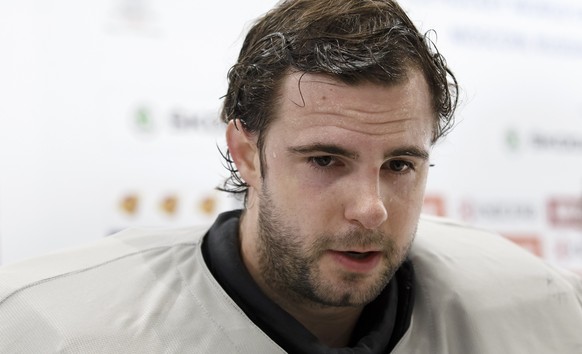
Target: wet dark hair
352,41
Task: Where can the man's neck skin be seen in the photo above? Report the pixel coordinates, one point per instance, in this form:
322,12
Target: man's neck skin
333,326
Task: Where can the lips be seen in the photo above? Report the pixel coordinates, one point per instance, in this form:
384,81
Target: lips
357,262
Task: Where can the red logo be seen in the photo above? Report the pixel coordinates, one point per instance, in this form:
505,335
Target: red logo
531,243
434,205
565,212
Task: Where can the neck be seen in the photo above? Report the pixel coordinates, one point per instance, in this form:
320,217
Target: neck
332,326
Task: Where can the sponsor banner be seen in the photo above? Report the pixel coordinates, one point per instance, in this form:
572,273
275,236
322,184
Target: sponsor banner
498,212
536,142
171,209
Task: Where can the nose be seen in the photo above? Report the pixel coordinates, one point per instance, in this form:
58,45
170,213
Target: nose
365,205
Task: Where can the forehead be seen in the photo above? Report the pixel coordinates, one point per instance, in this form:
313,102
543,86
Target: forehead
310,102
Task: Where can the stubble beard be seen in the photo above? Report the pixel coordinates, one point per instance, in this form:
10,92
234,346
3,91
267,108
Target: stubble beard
292,272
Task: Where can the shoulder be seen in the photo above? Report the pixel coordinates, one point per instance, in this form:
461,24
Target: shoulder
97,292
449,244
139,291
474,288
478,259
126,245
444,239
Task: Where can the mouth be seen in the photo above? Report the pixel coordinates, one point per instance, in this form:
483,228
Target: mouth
357,262
359,255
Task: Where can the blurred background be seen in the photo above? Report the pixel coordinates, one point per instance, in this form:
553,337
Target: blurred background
109,118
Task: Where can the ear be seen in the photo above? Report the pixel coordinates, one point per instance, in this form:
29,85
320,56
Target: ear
244,152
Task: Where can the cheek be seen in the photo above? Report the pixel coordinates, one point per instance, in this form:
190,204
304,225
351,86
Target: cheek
304,201
286,188
404,200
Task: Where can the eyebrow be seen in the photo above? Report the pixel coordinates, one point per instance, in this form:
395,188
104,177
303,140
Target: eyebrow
327,148
332,149
411,150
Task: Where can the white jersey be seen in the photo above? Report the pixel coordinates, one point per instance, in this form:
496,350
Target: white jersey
151,292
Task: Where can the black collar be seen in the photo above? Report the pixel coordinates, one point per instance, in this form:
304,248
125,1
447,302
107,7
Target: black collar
381,325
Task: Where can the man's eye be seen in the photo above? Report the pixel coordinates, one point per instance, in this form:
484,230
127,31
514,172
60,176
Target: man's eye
400,165
322,161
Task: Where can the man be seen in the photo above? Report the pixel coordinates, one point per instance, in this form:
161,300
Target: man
331,112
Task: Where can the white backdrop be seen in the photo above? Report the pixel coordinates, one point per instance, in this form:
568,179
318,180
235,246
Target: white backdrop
109,118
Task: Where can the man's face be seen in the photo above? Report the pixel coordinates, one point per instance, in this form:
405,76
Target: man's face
343,182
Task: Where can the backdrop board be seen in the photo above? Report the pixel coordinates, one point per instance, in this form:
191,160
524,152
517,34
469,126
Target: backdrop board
514,161
109,118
